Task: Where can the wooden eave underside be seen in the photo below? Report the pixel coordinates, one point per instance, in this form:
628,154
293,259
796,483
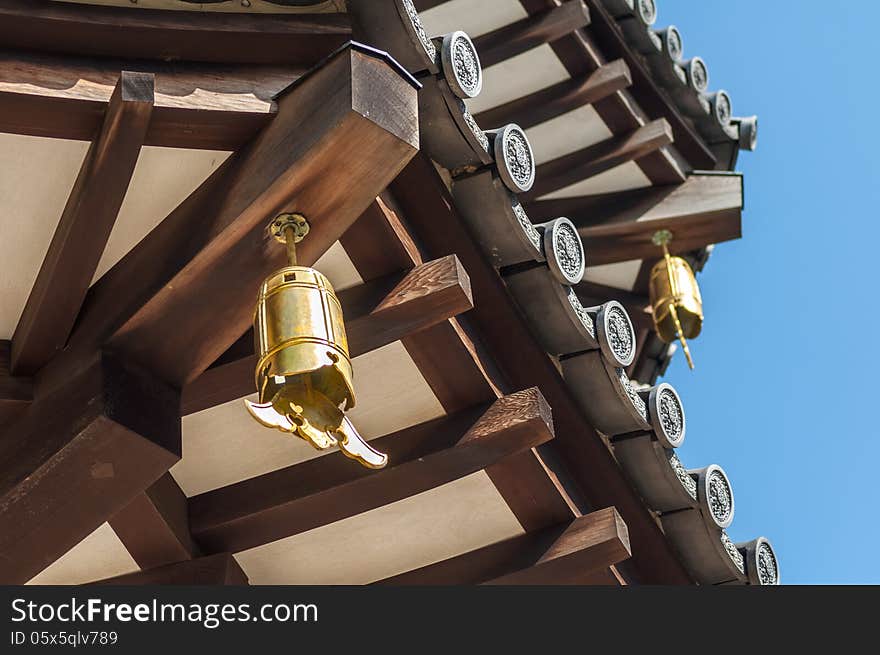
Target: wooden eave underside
488,355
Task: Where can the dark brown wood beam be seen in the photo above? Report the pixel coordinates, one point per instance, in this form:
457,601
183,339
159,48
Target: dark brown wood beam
292,39
85,226
580,55
610,40
568,554
584,164
213,106
525,34
185,293
377,313
154,526
77,456
219,569
560,98
464,376
618,227
16,393
327,489
583,456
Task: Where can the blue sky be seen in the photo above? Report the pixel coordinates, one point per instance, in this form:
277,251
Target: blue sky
783,397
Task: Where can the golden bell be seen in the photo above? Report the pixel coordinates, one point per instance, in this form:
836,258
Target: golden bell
675,298
303,373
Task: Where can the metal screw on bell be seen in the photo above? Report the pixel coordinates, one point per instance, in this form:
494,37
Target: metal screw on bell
675,297
304,374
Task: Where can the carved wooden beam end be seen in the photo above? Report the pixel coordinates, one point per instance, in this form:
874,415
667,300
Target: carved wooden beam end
76,457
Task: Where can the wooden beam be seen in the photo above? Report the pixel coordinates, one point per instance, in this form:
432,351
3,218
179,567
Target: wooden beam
464,376
560,555
589,162
580,55
213,106
377,313
588,461
291,39
219,569
327,489
525,34
154,526
16,393
618,227
78,455
560,98
609,39
85,226
185,293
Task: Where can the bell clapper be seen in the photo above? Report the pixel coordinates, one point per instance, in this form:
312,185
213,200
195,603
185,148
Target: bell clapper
662,238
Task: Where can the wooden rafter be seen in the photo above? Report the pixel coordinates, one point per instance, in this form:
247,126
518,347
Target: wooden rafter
593,160
327,489
516,38
580,56
16,393
84,227
377,313
213,106
219,569
645,91
184,294
589,464
76,457
464,376
291,39
559,98
618,227
572,553
154,526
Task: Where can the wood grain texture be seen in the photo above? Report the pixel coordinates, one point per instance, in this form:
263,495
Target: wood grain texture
580,55
588,463
560,98
457,368
197,105
525,34
185,293
617,227
330,488
653,100
85,226
294,39
572,553
219,569
593,160
154,526
376,313
76,457
16,393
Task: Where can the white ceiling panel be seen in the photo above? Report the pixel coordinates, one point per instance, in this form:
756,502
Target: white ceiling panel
37,176
512,78
620,178
223,445
570,132
429,527
621,275
476,17
98,556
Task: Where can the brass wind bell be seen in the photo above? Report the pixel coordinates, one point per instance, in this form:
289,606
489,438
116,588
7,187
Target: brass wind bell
675,297
304,374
